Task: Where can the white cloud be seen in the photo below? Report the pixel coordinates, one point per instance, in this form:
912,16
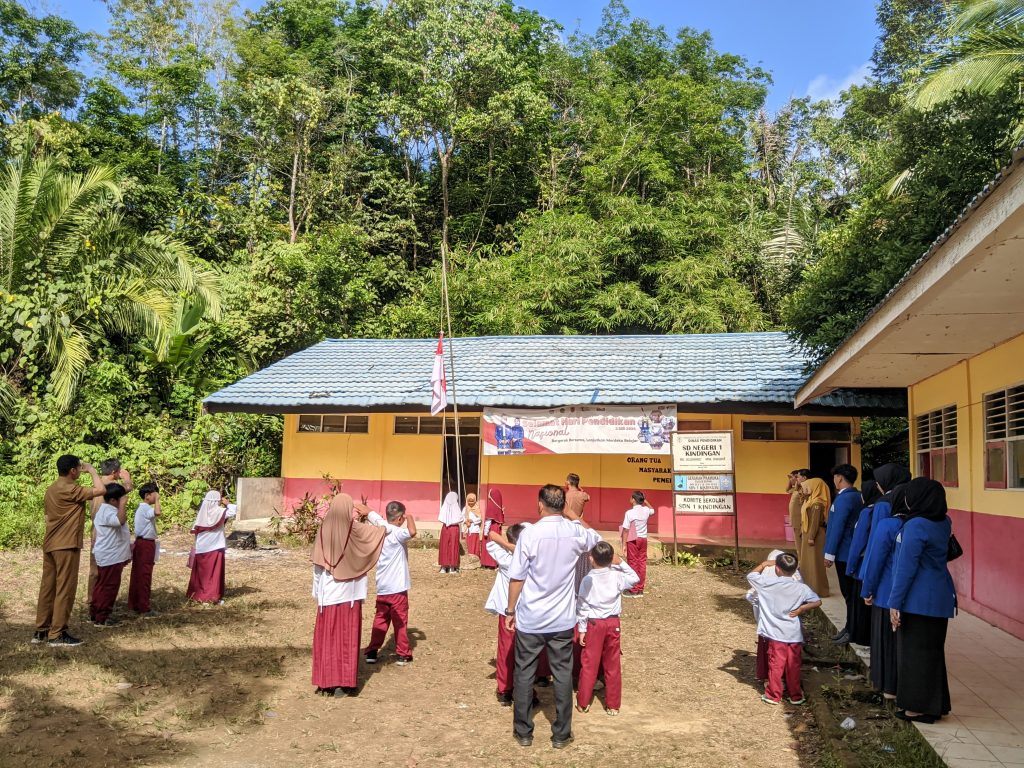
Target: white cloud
828,87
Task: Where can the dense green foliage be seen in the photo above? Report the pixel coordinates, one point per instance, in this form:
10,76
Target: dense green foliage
228,188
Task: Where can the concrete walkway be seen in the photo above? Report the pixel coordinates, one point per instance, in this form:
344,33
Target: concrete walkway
986,685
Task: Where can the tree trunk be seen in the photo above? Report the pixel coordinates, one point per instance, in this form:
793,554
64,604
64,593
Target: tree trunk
293,229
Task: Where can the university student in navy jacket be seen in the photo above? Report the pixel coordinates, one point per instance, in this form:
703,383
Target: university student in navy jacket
859,624
842,519
921,603
876,573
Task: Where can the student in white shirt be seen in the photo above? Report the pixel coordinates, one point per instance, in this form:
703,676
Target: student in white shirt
112,551
542,609
781,601
761,664
597,609
500,547
392,582
145,552
206,584
634,539
472,520
344,552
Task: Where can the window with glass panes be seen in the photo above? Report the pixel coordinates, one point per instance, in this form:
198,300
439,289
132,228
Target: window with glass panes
1004,438
936,446
335,422
469,426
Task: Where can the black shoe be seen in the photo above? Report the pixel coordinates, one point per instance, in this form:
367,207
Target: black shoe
110,622
403,660
543,682
64,640
371,657
561,744
342,692
842,638
505,699
524,741
926,719
40,636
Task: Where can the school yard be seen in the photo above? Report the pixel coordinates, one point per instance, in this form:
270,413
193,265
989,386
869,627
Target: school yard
229,686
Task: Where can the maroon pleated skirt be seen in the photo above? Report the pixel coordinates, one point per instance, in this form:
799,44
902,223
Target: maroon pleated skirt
486,561
206,584
336,645
473,544
448,548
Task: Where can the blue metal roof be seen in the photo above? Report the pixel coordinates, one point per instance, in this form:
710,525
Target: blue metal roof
538,371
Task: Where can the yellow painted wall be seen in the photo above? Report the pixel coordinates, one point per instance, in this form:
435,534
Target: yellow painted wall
966,385
377,455
761,465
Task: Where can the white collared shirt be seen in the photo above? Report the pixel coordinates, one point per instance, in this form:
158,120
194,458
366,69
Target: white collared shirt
211,541
545,561
776,597
497,600
393,563
639,514
145,522
327,591
601,593
113,543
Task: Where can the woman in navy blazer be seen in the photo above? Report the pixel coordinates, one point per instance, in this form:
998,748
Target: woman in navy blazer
922,601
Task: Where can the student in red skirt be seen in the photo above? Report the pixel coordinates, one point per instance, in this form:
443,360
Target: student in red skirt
145,552
344,552
450,517
634,539
112,551
471,522
494,518
501,548
206,584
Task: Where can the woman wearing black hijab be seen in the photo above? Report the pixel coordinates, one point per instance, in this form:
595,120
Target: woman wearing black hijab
922,601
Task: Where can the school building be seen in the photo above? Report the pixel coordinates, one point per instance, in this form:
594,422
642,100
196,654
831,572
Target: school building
357,410
950,332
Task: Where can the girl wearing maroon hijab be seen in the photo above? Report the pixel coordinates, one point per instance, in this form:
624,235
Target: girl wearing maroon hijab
494,518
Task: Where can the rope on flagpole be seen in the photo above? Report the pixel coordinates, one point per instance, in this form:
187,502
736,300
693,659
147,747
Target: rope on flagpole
459,470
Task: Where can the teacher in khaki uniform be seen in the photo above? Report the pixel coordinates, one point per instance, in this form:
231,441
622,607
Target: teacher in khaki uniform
64,508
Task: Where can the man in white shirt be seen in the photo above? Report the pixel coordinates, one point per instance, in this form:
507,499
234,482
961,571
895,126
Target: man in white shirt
393,583
542,609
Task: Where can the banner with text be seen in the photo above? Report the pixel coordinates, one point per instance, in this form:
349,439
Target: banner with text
579,429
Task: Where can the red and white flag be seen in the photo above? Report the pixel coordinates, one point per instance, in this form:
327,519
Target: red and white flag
438,382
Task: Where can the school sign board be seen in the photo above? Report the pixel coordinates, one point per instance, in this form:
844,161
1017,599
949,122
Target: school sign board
705,504
631,430
702,452
703,483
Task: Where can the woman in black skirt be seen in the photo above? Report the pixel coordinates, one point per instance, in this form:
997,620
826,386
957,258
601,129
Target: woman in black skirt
887,519
923,600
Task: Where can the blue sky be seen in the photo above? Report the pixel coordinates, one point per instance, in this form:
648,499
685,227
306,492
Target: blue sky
811,47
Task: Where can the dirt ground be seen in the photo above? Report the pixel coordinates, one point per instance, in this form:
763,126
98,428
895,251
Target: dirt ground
230,685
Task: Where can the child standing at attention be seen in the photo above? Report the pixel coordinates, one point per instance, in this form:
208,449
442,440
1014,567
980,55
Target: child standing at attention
393,582
634,539
782,600
501,548
597,610
145,552
112,550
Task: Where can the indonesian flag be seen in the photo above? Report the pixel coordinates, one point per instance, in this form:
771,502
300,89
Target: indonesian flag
438,383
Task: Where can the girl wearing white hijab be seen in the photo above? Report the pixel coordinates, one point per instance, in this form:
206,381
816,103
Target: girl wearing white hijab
451,518
206,584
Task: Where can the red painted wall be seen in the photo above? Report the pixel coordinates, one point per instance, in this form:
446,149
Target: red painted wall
988,583
419,498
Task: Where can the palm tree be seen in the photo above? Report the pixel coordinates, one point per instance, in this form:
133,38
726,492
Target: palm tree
984,55
73,272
